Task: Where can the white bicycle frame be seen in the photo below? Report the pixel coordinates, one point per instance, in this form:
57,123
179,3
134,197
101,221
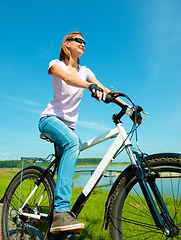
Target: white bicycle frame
120,141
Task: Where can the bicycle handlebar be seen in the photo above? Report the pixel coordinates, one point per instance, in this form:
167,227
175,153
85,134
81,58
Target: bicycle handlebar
134,113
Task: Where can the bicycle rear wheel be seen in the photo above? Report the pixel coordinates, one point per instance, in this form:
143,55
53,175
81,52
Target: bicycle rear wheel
15,226
129,215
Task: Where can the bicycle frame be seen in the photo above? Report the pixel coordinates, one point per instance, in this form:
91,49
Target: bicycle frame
121,140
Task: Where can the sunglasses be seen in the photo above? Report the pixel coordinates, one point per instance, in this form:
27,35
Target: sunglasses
78,40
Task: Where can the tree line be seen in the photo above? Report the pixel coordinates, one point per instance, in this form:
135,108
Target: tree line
18,163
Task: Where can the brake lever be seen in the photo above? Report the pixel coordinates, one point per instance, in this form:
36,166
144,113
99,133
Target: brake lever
117,94
140,109
144,112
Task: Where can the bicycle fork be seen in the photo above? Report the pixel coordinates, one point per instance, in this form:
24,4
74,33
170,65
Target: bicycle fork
163,221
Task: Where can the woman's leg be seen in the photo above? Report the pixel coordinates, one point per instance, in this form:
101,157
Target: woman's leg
69,146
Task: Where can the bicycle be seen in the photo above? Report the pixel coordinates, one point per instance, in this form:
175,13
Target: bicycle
143,203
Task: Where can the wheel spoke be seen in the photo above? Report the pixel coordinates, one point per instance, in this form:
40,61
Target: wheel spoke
130,218
19,226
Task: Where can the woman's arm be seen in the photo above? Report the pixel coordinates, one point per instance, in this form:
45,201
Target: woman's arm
75,81
68,78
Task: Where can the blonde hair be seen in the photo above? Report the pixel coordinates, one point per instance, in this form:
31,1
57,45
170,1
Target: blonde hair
64,51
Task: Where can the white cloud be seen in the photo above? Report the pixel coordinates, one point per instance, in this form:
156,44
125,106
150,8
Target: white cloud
33,110
6,154
92,125
22,100
23,104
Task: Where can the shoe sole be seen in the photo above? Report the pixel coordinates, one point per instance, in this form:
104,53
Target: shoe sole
69,228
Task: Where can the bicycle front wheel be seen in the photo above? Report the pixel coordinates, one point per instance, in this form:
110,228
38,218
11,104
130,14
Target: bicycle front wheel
129,215
16,226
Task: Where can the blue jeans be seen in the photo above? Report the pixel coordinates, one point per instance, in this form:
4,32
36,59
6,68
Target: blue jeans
68,145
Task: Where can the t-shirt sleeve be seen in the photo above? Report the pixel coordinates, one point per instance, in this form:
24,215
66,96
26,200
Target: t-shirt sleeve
90,74
53,62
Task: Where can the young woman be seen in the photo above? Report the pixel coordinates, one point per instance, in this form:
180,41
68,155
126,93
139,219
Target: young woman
58,122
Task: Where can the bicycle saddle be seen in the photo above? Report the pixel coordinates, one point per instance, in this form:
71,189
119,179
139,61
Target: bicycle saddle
44,137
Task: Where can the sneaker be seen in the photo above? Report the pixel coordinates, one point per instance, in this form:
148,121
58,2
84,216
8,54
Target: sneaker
66,221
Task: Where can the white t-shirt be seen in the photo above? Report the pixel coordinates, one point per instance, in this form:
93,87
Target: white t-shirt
66,100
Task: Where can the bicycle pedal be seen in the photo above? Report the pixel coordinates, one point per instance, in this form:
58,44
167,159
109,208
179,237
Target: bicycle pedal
62,236
71,237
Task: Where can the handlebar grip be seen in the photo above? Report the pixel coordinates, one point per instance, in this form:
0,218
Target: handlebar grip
109,98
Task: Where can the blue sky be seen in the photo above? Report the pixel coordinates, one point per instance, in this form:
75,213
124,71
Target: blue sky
132,46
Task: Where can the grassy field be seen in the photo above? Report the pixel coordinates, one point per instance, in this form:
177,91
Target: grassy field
6,174
92,215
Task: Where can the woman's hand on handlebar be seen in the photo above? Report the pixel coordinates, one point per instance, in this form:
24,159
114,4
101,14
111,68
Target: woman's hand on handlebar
97,92
101,96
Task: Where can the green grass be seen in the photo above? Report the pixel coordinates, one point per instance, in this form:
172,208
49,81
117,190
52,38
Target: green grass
92,215
6,174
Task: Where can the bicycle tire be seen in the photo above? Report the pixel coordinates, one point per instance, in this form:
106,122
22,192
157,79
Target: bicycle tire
129,215
15,226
